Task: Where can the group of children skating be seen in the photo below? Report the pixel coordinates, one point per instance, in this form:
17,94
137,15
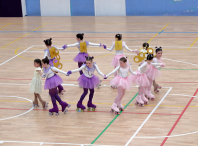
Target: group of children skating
144,77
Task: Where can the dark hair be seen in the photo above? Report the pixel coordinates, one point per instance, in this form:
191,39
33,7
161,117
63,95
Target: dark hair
89,58
158,49
118,36
123,59
48,42
80,36
45,60
145,45
149,56
38,61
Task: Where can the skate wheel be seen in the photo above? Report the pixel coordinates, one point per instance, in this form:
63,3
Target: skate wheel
121,109
111,111
65,111
117,113
82,110
88,109
152,99
77,109
93,109
68,105
159,87
136,103
50,113
57,114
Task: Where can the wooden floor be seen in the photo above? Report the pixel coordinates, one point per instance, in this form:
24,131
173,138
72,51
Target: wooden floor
173,113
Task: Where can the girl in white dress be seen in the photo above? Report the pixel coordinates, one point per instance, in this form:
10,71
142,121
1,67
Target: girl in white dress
36,85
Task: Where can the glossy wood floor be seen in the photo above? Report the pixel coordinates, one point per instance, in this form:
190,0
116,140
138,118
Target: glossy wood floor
173,113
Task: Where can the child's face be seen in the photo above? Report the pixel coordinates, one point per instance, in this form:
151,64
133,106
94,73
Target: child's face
36,64
122,64
78,39
159,54
44,64
88,63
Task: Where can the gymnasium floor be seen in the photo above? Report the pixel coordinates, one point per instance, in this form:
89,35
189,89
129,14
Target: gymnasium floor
169,120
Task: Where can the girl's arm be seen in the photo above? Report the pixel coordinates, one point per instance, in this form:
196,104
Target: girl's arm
157,64
68,46
131,71
93,44
58,70
46,52
116,69
39,71
112,47
79,69
126,47
98,70
142,65
155,61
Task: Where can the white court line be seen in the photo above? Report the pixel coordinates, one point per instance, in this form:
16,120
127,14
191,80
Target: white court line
180,61
148,117
19,114
16,55
74,52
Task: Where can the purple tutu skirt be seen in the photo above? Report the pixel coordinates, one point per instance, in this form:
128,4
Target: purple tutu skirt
86,82
53,82
141,81
81,57
152,72
118,81
115,62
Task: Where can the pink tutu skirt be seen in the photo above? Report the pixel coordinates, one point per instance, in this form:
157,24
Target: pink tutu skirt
53,82
118,81
89,83
115,62
152,72
139,80
81,57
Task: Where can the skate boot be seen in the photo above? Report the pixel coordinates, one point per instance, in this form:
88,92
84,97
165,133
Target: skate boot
45,105
120,106
139,101
150,96
61,92
144,99
91,106
35,104
54,110
114,109
64,106
98,86
155,88
80,107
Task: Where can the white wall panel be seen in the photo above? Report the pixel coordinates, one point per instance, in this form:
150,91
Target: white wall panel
55,7
110,7
23,4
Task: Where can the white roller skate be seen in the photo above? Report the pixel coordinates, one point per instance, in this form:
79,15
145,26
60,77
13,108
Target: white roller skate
114,109
144,99
120,106
150,96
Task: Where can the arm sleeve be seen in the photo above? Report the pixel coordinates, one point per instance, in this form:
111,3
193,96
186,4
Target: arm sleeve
131,71
112,47
126,47
58,70
142,65
45,54
72,45
116,69
93,44
79,69
156,64
98,70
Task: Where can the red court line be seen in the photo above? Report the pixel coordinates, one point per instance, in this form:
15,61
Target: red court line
89,111
179,118
102,80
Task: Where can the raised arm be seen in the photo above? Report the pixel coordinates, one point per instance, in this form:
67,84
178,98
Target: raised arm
58,70
69,46
93,44
116,69
46,52
79,69
112,47
131,71
126,47
142,65
98,70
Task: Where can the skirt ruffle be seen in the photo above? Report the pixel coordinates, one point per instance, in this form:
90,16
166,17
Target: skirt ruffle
89,83
141,80
152,72
118,81
80,57
115,62
53,82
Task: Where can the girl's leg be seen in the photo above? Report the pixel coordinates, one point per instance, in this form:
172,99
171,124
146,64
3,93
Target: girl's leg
114,106
144,99
138,98
89,104
53,93
60,89
44,103
80,105
119,102
155,85
148,92
79,65
35,102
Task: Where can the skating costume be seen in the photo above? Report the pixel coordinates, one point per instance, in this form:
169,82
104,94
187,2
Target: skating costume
51,83
88,81
36,84
80,57
121,82
118,45
51,55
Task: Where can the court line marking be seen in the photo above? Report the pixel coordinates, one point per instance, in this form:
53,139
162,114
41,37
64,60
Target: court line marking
16,55
193,43
23,36
5,25
19,114
164,141
146,137
148,117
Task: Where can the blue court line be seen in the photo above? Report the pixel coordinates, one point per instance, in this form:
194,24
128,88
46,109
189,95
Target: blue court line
88,32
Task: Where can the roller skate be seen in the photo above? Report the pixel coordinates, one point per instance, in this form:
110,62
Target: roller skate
150,96
144,99
120,106
156,88
62,92
54,110
91,106
80,107
139,101
114,109
98,86
64,106
35,104
45,105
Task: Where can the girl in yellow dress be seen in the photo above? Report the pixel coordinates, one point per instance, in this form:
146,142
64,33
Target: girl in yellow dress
36,85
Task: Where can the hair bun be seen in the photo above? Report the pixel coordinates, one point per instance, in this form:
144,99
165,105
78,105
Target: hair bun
50,39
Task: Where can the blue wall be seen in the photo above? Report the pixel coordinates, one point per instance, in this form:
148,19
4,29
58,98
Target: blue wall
33,7
82,7
161,8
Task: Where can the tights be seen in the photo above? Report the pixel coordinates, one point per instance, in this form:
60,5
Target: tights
85,93
121,93
54,96
150,84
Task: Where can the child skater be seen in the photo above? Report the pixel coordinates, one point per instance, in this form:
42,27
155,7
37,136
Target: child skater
121,82
36,85
51,53
51,83
82,46
88,81
118,45
157,59
144,82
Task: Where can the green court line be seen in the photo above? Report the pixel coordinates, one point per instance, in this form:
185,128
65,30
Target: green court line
113,120
176,69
